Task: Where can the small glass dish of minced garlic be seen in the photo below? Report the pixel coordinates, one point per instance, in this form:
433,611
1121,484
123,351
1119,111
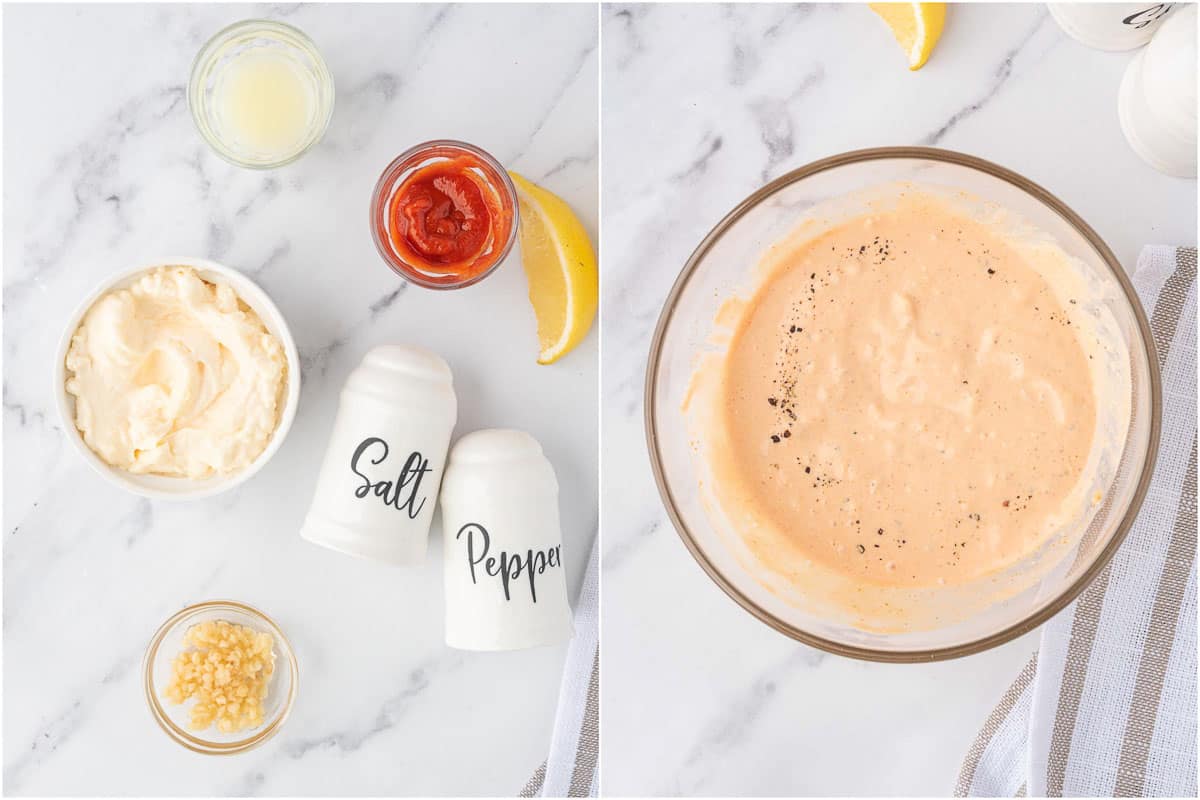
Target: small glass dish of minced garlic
220,677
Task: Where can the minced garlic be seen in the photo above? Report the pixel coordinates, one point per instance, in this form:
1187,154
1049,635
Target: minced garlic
227,669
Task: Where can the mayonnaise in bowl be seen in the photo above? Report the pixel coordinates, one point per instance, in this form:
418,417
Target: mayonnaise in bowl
178,379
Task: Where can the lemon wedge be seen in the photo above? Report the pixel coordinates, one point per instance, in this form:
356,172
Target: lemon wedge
564,283
916,27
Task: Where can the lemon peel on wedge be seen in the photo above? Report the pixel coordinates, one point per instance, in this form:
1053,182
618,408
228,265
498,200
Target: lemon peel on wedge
560,263
916,26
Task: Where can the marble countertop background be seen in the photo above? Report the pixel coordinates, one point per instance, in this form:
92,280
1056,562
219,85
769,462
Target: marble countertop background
103,168
700,106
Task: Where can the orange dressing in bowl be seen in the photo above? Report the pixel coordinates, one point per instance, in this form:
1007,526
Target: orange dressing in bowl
905,402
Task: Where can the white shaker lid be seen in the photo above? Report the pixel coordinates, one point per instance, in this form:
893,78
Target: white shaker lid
1158,144
496,444
1169,74
390,369
511,460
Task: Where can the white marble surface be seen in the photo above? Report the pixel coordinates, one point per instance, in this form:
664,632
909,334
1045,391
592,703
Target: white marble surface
701,105
102,167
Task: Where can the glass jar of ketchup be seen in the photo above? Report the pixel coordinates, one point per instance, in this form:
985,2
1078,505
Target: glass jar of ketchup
444,214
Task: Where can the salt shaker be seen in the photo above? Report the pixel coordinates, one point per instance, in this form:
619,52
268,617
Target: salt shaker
1110,26
502,551
378,484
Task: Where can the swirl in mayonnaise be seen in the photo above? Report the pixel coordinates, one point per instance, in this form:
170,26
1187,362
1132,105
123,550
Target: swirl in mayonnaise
175,376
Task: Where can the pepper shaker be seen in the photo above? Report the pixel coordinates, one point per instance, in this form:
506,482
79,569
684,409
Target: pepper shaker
505,583
379,482
1157,99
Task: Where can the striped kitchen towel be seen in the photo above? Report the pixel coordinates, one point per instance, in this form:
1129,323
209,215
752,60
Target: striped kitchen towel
1107,707
571,770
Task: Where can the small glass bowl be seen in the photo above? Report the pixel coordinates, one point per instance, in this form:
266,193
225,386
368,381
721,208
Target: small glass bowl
173,719
220,51
403,166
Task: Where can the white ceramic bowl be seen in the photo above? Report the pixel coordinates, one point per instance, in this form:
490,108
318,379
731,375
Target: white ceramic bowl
162,486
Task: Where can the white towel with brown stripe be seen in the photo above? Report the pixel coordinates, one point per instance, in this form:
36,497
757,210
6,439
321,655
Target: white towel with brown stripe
1107,707
571,768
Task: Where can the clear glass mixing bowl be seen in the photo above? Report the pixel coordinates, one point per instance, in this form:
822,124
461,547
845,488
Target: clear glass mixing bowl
723,263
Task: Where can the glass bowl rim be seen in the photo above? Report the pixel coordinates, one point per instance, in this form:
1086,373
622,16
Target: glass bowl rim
199,744
1047,199
204,55
391,175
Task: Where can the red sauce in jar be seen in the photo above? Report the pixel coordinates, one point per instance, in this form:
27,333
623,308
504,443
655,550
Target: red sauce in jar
447,219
